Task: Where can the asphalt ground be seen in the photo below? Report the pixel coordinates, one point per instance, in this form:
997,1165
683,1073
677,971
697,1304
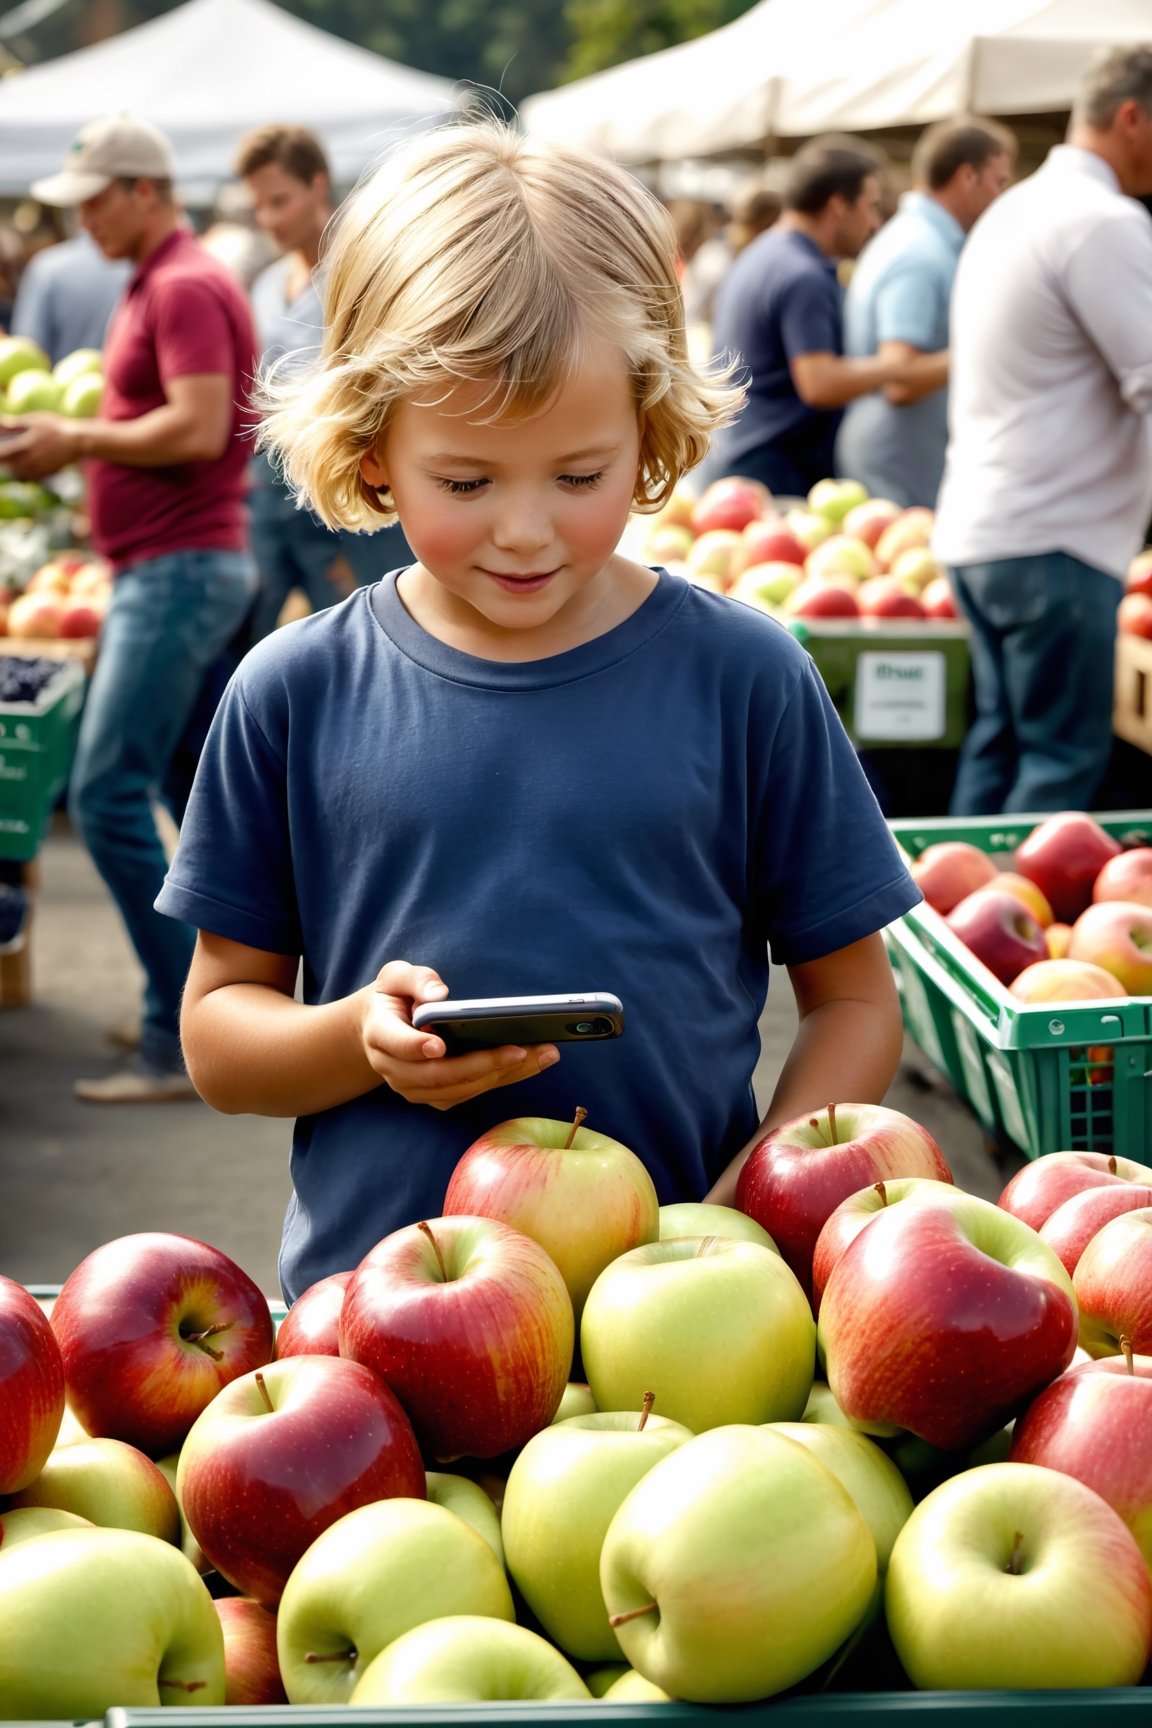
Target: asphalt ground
74,1175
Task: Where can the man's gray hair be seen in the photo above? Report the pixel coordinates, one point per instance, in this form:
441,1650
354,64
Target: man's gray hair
1116,75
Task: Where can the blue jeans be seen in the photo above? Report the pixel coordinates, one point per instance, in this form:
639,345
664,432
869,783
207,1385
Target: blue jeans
169,619
1043,640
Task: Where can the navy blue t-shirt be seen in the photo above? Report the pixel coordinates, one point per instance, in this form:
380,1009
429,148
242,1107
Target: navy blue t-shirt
642,814
780,298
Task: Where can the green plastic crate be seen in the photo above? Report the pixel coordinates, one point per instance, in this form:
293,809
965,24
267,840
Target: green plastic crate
36,746
893,683
1044,1077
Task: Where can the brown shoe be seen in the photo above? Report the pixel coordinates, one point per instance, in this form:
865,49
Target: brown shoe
136,1085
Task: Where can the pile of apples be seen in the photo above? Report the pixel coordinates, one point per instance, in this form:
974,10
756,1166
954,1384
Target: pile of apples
1069,920
30,384
65,598
859,1416
1134,614
843,555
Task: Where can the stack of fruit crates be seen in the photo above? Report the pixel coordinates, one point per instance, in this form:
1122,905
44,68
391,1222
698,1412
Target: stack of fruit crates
1041,1078
40,703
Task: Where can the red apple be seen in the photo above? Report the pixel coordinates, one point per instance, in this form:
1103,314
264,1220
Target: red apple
1027,892
949,870
846,1221
945,1320
1117,935
1065,981
1045,1183
913,527
31,1387
868,521
1069,1229
938,600
798,1174
283,1452
769,540
817,598
1134,613
1063,855
883,597
251,1666
999,930
150,1327
470,1323
81,616
1138,579
1113,1285
311,1325
732,502
1128,877
583,1196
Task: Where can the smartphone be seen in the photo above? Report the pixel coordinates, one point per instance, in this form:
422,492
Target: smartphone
484,1023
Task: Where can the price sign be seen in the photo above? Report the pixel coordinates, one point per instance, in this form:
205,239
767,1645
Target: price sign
900,696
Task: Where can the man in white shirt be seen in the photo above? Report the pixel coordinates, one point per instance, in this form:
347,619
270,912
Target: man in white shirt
1048,480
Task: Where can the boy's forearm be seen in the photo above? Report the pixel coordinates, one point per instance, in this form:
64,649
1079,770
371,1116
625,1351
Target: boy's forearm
844,1052
253,1051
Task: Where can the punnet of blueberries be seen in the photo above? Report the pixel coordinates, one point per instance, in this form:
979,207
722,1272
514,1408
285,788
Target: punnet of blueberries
13,912
25,679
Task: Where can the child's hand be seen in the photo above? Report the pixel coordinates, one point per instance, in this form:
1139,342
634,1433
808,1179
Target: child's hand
414,1063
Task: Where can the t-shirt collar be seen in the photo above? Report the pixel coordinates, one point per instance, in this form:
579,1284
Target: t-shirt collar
931,211
174,242
807,244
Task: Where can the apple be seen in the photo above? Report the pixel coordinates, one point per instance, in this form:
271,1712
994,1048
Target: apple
1127,876
1138,578
1027,893
577,1400
469,1501
81,398
93,576
799,1172
33,391
808,528
371,1576
1117,935
668,540
845,1222
818,598
32,617
282,1453
51,578
1059,938
868,521
947,871
677,508
714,554
660,1319
769,540
879,1492
1069,1229
20,353
465,1659
101,1619
835,498
81,617
1093,1423
604,1675
730,503
251,1671
735,1567
766,585
1063,855
470,1323
632,1688
311,1325
840,555
169,1468
884,597
110,1483
582,1195
563,1491
1000,930
1045,1183
945,1320
1065,981
150,1327
77,364
915,568
938,599
22,1523
31,1387
1010,1576
702,1218
1134,613
912,528
823,1408
1113,1285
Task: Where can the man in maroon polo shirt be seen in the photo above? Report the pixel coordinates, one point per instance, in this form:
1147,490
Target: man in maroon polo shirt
166,461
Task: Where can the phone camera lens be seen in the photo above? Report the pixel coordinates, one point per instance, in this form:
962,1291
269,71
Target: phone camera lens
584,1027
600,1027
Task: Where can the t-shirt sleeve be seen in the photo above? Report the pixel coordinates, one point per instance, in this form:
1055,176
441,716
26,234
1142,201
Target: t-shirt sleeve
907,309
811,317
191,330
232,871
828,867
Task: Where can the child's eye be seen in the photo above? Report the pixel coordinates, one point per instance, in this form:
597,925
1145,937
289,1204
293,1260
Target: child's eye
583,479
461,488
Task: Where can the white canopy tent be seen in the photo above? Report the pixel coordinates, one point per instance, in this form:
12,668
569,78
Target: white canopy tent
206,73
794,68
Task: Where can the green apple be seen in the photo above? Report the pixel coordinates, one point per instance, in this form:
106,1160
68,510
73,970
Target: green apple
577,1401
168,1467
82,398
834,498
632,1688
703,1218
879,1491
1014,1576
736,1567
78,364
372,1575
109,1483
34,392
469,1501
467,1659
96,1619
563,1491
822,1407
720,1331
605,1674
24,1522
19,354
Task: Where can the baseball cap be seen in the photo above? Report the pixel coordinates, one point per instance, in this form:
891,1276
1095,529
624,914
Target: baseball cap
119,145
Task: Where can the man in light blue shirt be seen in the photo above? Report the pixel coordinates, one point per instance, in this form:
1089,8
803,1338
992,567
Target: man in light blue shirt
66,296
893,441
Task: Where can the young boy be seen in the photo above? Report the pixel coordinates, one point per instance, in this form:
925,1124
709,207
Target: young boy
523,764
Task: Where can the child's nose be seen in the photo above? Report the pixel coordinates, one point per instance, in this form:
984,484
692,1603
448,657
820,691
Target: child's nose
524,525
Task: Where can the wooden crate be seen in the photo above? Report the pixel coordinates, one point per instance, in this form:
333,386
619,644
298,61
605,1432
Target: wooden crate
1132,704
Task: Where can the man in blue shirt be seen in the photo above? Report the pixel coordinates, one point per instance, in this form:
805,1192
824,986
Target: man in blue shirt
893,440
780,309
66,296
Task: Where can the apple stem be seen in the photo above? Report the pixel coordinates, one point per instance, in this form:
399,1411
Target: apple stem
427,1229
581,1116
200,1339
331,1656
832,1124
632,1614
646,1410
1013,1566
879,1188
1126,1347
268,1404
1112,1163
182,1685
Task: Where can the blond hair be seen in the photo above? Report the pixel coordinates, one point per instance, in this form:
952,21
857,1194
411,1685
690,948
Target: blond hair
476,255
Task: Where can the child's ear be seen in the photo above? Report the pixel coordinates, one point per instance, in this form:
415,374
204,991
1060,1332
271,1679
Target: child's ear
372,471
